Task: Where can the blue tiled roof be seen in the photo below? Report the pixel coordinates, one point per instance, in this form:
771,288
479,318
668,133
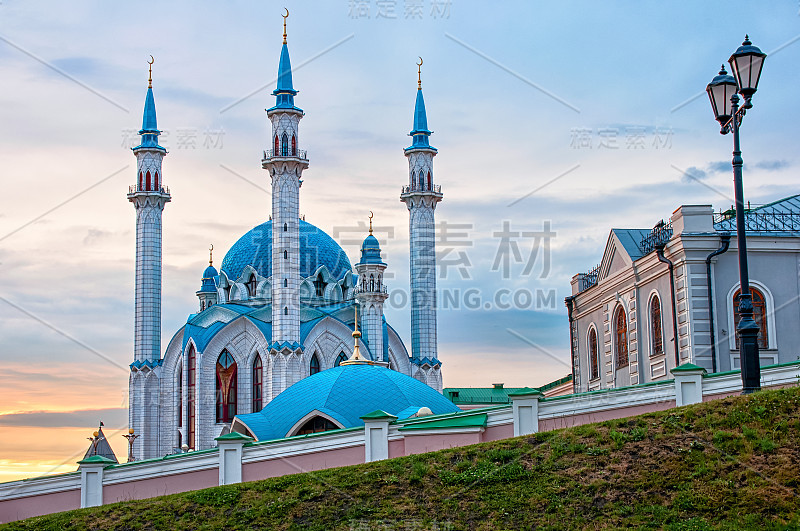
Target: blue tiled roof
770,218
316,249
345,393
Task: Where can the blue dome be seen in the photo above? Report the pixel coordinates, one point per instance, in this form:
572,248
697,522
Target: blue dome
316,249
345,394
371,251
210,272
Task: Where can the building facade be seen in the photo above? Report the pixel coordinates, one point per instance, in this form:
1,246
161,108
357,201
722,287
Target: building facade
283,304
668,296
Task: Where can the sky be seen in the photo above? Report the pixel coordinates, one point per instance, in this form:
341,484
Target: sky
555,122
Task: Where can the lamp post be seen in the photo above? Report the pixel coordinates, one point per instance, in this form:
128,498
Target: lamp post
131,437
746,63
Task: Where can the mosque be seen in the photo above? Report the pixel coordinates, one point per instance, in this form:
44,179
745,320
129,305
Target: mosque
288,338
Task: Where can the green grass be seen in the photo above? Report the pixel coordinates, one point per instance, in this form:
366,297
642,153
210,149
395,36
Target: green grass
728,464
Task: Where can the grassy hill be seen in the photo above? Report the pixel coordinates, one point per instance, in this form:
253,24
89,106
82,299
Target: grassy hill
729,464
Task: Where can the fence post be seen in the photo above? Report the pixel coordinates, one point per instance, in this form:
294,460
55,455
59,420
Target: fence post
230,457
376,435
525,407
92,479
688,384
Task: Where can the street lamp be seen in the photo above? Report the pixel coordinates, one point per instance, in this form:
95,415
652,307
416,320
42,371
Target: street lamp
746,63
131,437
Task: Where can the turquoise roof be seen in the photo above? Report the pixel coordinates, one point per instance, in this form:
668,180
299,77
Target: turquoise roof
345,394
285,92
316,249
208,285
371,251
420,133
149,130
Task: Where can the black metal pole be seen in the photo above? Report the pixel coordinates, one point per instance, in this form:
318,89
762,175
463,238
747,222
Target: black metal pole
747,329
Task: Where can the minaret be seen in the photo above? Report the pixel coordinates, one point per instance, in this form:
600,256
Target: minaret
371,293
208,287
148,195
285,164
421,196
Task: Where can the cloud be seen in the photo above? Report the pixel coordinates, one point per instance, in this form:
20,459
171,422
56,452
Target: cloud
113,417
772,165
693,173
719,167
95,236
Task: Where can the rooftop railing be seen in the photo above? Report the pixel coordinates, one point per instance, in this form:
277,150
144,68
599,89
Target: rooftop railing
134,188
298,153
436,188
660,234
756,221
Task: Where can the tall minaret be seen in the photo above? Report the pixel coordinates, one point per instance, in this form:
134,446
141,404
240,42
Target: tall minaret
421,196
285,163
371,293
148,195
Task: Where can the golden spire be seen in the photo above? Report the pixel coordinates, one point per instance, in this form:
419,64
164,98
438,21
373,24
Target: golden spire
356,358
211,255
419,74
150,80
370,221
284,24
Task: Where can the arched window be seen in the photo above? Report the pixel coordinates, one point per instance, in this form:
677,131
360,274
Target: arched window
621,344
759,315
180,394
316,425
285,255
379,282
147,180
314,366
430,187
285,310
191,359
202,305
594,361
339,359
372,282
421,181
285,145
141,181
226,387
285,282
656,336
252,285
155,185
294,146
285,227
277,146
258,385
319,285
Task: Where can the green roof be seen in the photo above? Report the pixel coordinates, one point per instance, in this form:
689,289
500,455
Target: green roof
378,414
525,392
233,436
493,395
688,367
96,459
456,421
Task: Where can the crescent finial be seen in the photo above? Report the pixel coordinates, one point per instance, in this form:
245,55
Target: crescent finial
211,254
370,221
419,73
284,24
151,61
150,73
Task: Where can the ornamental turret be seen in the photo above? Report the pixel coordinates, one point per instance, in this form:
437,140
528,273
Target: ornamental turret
208,287
285,163
421,196
371,293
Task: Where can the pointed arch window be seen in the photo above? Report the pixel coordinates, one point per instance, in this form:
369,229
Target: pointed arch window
621,344
656,335
285,145
759,315
285,310
180,394
147,180
319,285
285,282
421,181
594,360
155,185
141,181
285,227
430,187
226,387
252,286
313,367
285,255
191,360
277,146
339,359
379,282
294,146
258,384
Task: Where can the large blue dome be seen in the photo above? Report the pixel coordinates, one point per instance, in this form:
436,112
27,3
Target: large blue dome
255,249
345,394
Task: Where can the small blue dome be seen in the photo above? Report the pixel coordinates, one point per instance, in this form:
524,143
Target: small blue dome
210,272
208,285
345,394
371,251
316,249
